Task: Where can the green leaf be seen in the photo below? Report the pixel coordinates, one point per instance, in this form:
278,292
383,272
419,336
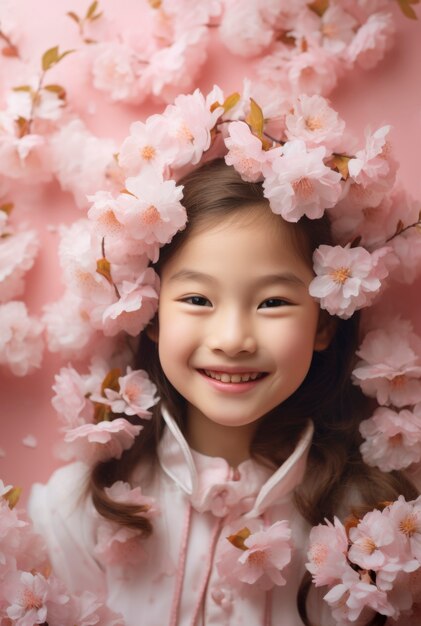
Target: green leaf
91,10
406,8
73,16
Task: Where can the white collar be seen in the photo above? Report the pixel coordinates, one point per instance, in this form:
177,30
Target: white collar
212,485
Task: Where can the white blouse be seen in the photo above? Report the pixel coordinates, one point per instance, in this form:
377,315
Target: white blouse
175,581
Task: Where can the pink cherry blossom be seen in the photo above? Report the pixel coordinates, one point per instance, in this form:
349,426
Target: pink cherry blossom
99,442
190,121
313,72
327,552
90,609
137,394
119,545
245,151
115,70
244,30
67,326
122,545
315,122
81,160
372,40
392,439
405,518
407,249
47,105
266,553
21,343
136,306
370,541
27,157
374,164
152,210
361,211
173,69
390,365
347,278
27,596
70,399
124,493
349,598
299,183
337,29
148,145
17,255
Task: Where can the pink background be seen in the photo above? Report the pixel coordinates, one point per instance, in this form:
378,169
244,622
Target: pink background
389,94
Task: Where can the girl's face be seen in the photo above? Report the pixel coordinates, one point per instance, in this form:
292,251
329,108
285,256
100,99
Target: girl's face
237,326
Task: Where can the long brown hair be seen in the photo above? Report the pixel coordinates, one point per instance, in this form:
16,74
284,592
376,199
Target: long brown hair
327,395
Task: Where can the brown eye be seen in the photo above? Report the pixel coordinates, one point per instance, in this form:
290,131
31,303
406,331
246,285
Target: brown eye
197,301
271,303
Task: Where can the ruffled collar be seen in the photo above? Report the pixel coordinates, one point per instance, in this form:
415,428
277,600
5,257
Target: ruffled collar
212,485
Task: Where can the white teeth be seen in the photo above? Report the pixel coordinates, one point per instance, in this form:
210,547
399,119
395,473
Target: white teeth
232,378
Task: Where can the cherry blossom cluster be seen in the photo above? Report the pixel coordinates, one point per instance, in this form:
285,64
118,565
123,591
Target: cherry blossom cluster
92,409
372,563
29,593
299,47
256,555
21,342
389,370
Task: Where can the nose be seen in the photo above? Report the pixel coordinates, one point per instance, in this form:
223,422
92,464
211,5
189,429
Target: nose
232,333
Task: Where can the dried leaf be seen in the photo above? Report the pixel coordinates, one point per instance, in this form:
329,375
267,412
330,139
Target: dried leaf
89,41
97,16
406,8
23,88
239,538
111,380
91,10
49,58
52,57
129,193
10,51
103,267
255,118
215,105
57,89
319,6
340,162
74,17
12,496
7,207
155,4
351,522
399,227
23,127
101,412
231,101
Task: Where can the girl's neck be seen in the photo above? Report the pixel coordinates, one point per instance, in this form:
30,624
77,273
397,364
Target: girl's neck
231,443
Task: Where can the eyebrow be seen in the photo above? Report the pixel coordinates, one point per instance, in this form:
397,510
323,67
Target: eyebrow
268,279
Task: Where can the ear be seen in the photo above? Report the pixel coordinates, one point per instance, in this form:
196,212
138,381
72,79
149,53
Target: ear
152,329
325,331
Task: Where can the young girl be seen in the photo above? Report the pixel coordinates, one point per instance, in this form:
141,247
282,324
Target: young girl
254,440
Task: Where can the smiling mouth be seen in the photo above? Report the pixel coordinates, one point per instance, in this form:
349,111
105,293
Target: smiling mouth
224,377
